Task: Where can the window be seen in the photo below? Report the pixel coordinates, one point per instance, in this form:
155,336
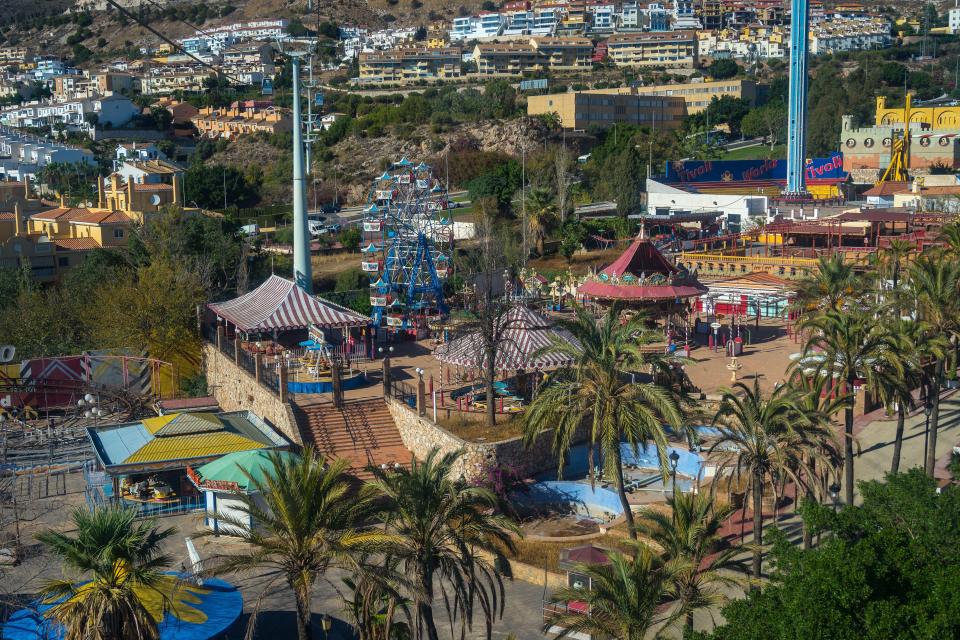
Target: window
63,261
118,233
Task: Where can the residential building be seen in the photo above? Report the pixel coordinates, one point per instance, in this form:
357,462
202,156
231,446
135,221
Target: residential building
137,152
831,36
139,199
506,58
241,119
545,20
410,64
675,49
583,110
73,115
953,19
165,82
564,54
14,55
711,15
698,94
602,17
47,67
22,155
484,25
111,82
73,87
149,172
683,16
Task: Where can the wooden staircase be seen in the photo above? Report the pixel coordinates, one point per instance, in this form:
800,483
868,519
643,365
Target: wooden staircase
363,433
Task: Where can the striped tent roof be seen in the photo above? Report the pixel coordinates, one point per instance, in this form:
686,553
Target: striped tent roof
282,305
522,333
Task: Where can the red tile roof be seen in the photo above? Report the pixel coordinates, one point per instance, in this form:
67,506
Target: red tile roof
82,216
76,244
7,216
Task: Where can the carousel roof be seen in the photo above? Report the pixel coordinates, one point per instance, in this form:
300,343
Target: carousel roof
283,305
641,273
523,332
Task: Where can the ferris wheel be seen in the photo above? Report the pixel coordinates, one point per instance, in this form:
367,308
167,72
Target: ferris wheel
407,245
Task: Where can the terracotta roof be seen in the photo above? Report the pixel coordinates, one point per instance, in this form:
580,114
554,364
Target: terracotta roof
7,216
102,217
873,215
951,190
152,187
887,189
76,244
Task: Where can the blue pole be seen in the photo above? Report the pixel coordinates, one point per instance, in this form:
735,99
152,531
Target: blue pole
797,107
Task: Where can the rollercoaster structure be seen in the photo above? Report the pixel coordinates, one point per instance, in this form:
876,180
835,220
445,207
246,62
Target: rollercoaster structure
407,245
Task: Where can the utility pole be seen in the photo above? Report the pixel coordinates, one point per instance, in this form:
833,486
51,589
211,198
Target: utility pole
224,189
302,269
523,198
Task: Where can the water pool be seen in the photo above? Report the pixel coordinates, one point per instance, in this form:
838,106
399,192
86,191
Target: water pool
595,503
690,465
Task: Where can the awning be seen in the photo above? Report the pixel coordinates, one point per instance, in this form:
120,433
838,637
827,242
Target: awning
522,333
279,304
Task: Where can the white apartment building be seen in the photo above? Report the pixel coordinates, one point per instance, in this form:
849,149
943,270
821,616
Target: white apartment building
602,18
479,27
831,36
953,19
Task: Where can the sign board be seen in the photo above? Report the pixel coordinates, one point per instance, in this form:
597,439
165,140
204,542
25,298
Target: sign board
370,267
318,99
394,321
266,87
719,171
378,301
533,85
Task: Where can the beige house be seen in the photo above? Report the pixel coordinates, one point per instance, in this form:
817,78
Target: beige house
669,49
410,64
582,110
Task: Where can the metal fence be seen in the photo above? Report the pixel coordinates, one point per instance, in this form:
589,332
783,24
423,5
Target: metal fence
247,361
403,392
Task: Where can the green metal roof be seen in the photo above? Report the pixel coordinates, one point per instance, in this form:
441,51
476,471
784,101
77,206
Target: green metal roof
231,467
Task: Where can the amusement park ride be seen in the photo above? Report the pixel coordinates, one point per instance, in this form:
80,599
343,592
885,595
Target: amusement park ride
407,245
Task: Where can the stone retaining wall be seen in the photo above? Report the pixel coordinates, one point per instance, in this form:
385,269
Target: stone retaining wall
237,390
421,435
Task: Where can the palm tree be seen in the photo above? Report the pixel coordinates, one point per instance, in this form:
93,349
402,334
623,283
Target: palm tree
893,257
829,286
853,348
307,516
123,564
950,237
541,216
377,599
765,440
690,535
443,533
596,390
935,285
625,600
819,404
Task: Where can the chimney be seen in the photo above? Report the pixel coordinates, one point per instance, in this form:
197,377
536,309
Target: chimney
176,188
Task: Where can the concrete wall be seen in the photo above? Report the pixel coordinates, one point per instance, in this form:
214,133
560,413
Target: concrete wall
421,435
237,390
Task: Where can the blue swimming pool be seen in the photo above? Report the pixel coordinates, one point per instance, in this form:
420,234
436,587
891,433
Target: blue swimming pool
690,464
595,503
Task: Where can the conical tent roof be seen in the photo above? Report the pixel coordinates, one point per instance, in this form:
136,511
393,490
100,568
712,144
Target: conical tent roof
230,468
522,333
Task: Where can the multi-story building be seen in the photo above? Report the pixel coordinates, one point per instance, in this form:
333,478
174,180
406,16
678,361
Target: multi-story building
22,155
14,55
506,58
675,49
112,82
602,17
564,54
684,16
165,82
698,95
73,87
242,118
410,64
113,110
582,110
545,20
48,67
953,19
484,25
711,14
831,36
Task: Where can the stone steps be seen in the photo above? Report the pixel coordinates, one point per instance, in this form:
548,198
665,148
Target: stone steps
363,433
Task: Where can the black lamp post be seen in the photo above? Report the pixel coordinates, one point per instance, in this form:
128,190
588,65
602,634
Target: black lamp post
835,494
927,410
674,461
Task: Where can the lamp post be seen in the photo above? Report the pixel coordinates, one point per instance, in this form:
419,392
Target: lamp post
927,410
326,622
674,461
835,495
91,406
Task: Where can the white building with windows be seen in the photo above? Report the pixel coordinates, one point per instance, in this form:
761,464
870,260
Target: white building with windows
953,19
479,27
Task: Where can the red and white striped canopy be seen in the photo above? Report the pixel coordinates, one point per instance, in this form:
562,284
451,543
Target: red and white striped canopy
521,333
279,304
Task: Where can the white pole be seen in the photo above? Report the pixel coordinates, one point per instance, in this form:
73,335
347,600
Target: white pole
434,405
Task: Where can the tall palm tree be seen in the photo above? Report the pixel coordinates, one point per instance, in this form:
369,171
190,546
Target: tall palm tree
935,286
626,599
819,404
307,516
123,563
443,532
378,599
596,390
893,257
853,348
766,441
829,286
541,216
690,535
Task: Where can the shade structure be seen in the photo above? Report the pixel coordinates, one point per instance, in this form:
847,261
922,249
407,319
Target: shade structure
233,469
522,334
642,274
280,304
192,612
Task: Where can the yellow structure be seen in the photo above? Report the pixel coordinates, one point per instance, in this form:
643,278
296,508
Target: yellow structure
696,95
410,64
237,120
676,49
900,146
935,117
581,110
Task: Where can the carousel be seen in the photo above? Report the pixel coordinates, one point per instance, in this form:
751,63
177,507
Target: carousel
316,339
643,280
523,340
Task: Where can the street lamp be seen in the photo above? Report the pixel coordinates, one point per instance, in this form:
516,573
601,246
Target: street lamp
326,622
835,494
674,461
927,410
93,411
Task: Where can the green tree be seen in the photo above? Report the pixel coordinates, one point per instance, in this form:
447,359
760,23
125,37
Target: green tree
121,561
301,518
626,599
723,68
829,286
444,531
847,345
595,390
690,534
763,441
768,121
891,569
541,217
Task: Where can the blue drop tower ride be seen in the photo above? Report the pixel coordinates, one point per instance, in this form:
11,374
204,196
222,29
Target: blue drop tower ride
797,107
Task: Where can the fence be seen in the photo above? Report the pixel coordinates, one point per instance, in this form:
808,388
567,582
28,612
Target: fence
403,392
99,493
